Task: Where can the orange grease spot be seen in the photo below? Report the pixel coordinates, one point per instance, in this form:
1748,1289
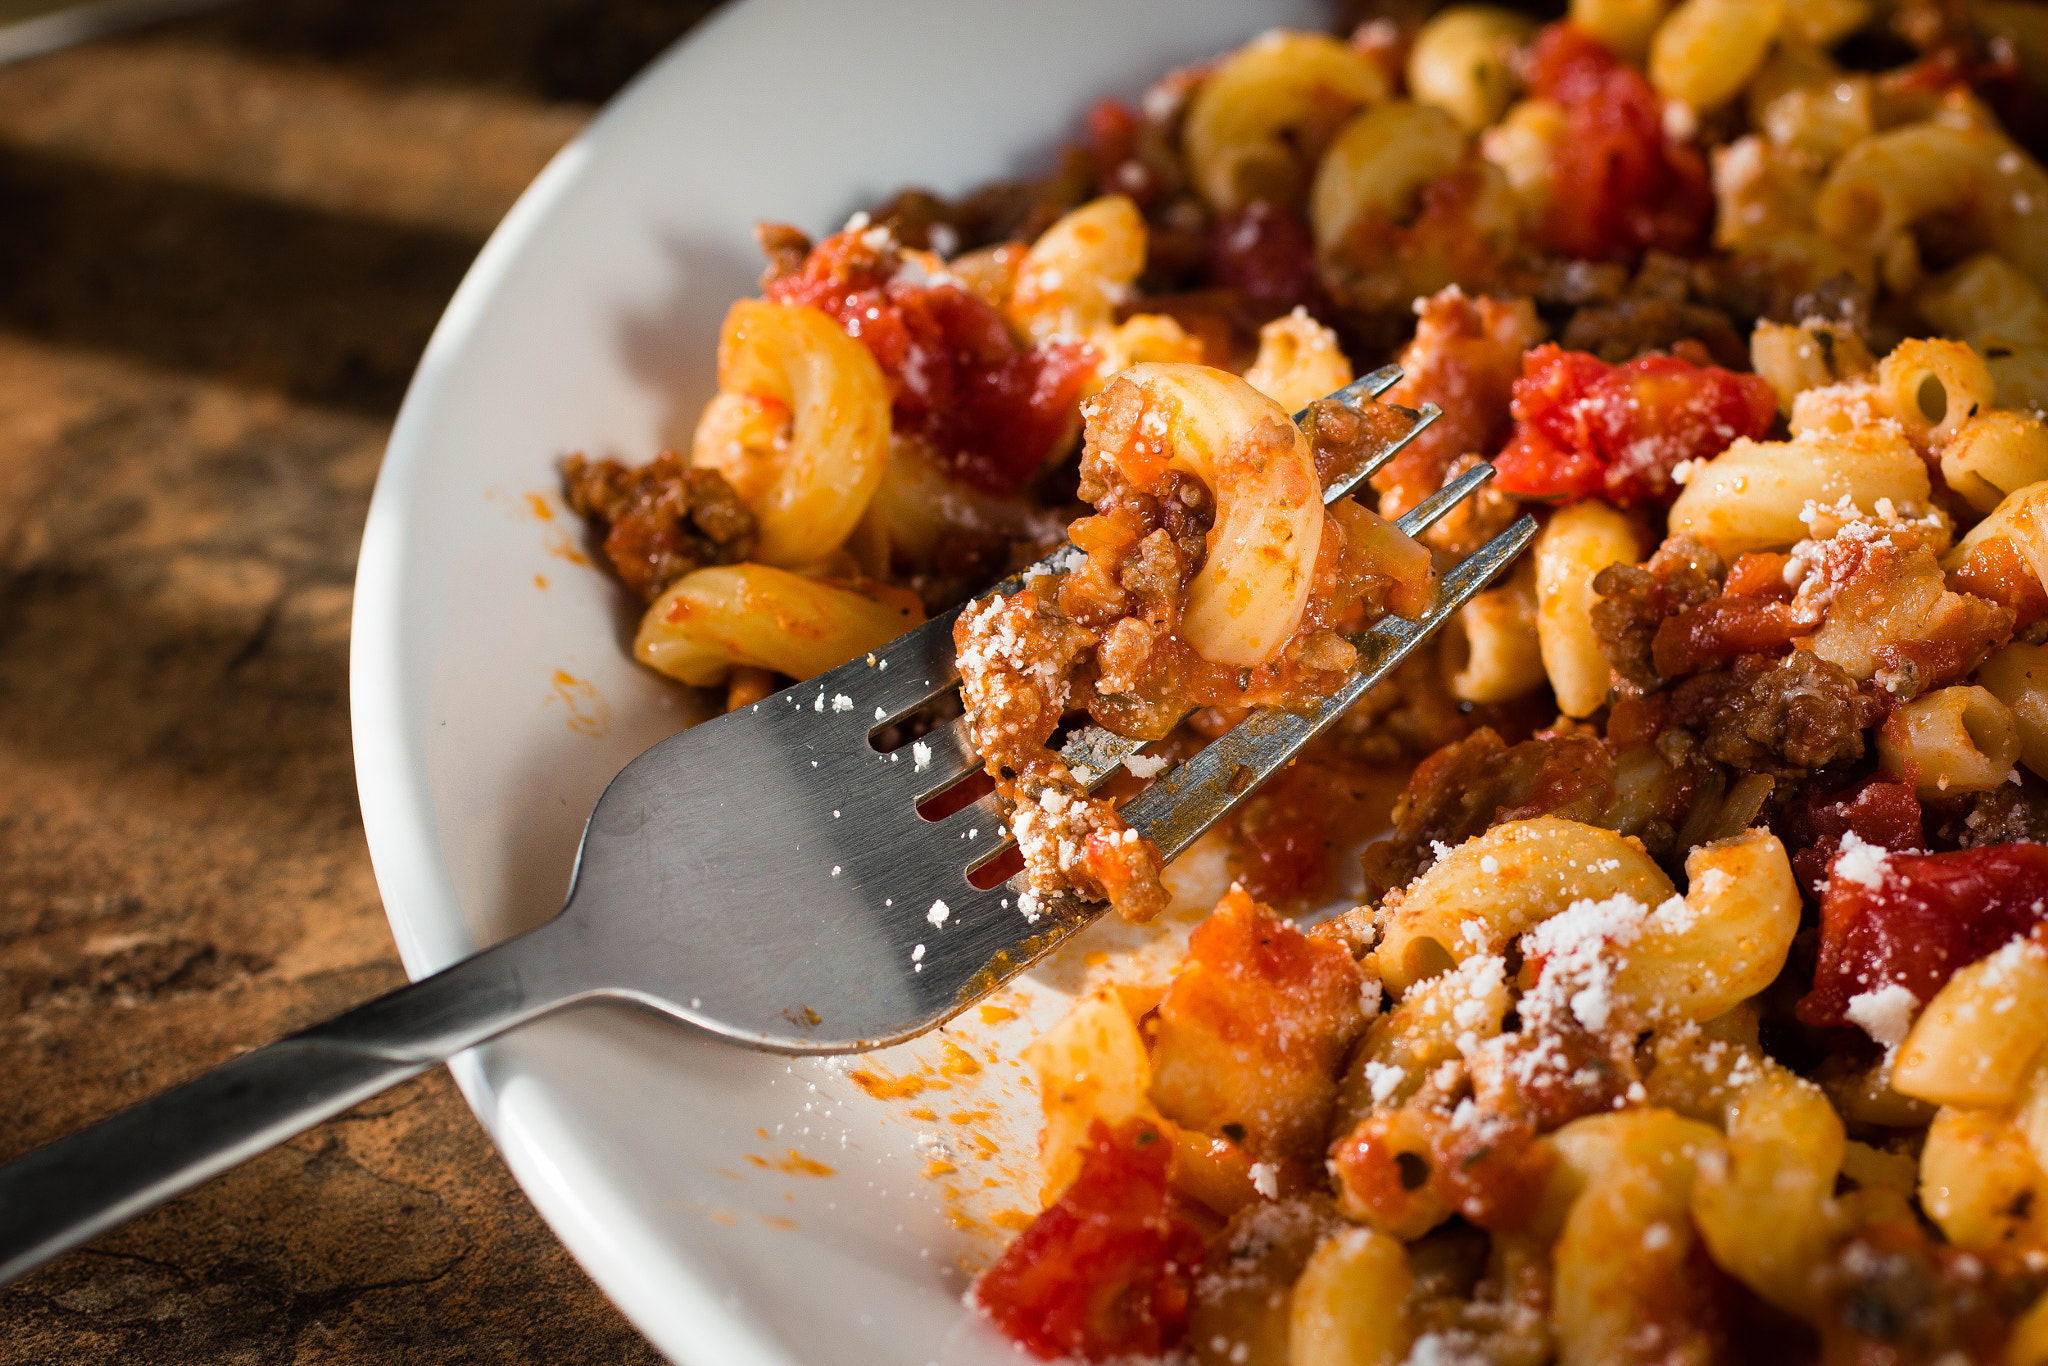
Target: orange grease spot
922,1112
777,1221
959,1062
997,1014
1095,958
537,504
540,581
589,713
796,1164
938,1167
898,1088
726,1217
1013,1219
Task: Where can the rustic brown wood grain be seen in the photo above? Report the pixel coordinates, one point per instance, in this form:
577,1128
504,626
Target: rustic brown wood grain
222,246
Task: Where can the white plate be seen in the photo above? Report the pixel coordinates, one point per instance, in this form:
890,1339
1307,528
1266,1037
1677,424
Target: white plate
493,697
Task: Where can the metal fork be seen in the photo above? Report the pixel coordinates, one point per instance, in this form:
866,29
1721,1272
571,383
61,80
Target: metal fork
765,876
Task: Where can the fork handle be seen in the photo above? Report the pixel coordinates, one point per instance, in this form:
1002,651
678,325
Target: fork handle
68,1191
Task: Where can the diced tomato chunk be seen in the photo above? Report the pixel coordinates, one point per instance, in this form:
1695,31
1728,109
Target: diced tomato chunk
1880,811
992,410
1927,916
1266,252
1584,428
1623,186
1105,1272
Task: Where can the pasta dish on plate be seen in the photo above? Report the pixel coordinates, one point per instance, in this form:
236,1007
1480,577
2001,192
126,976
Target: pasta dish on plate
1656,968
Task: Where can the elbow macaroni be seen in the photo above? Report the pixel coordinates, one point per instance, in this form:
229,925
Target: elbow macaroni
1490,650
1299,361
1248,597
1462,62
2018,676
1249,125
1575,545
1705,51
1956,739
1378,164
796,358
1750,497
757,616
1488,891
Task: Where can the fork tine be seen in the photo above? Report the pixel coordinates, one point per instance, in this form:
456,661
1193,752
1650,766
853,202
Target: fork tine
919,664
1430,510
1360,389
1175,811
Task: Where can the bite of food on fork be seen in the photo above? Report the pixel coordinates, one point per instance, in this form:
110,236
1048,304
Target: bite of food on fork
778,875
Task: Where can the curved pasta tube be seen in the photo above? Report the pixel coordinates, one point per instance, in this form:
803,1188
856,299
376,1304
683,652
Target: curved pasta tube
827,468
1349,1307
1750,496
1575,544
1949,166
1952,740
1253,128
1823,23
1091,1065
1986,297
1403,1046
1378,165
761,617
1489,890
1299,361
1490,650
1726,941
1932,387
2003,315
2021,517
1073,277
1977,1038
1994,453
1624,27
1627,1231
2018,676
1248,596
1764,1205
1705,51
1810,356
1462,61
1820,117
1980,1184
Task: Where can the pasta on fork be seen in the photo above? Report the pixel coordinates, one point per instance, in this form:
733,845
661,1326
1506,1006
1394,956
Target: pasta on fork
1656,968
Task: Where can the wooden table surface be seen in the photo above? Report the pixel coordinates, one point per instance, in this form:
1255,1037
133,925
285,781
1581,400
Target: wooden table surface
223,243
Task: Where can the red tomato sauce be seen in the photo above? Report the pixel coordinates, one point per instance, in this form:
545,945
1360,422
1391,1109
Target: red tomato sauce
1586,429
1931,915
1106,1270
992,410
1623,187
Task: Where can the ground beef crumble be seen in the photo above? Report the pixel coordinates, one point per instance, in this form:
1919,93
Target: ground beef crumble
1018,658
661,520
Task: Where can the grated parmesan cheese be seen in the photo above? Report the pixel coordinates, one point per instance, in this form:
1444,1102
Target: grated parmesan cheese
1146,765
1862,862
1885,1014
